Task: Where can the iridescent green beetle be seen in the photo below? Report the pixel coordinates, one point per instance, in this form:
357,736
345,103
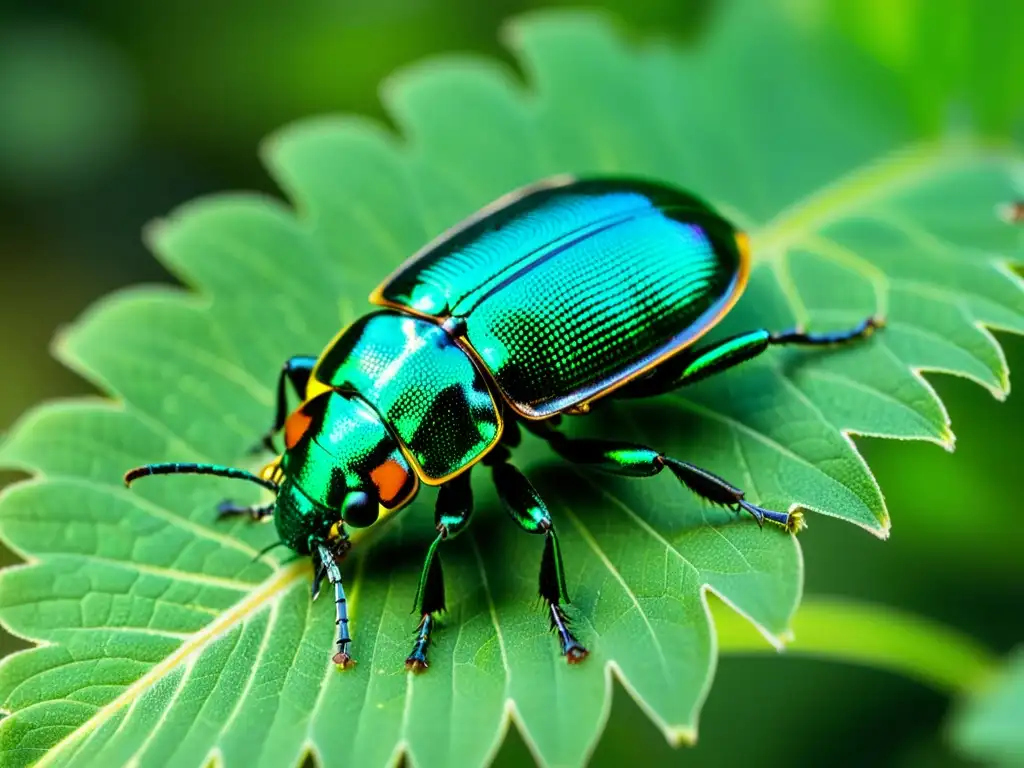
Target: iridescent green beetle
547,300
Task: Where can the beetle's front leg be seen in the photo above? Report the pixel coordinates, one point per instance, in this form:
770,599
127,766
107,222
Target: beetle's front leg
451,514
296,370
526,507
324,564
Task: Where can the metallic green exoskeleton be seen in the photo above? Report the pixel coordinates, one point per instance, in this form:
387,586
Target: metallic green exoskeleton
549,299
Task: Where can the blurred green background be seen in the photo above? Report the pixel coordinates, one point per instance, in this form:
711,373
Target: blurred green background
111,113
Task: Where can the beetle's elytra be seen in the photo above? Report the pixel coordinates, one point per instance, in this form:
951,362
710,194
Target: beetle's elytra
553,297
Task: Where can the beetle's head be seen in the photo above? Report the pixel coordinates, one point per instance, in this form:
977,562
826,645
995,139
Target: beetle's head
341,465
340,461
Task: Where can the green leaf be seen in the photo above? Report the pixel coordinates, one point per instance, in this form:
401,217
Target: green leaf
161,639
987,726
876,636
947,53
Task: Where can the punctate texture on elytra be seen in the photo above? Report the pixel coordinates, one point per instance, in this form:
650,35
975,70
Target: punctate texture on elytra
571,287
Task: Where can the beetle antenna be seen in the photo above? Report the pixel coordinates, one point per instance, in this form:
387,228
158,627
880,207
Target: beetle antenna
178,468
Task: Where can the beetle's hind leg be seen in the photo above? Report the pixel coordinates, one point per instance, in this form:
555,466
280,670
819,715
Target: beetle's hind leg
451,515
633,460
528,510
691,366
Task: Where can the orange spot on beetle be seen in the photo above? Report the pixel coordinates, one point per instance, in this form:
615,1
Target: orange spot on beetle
390,478
296,427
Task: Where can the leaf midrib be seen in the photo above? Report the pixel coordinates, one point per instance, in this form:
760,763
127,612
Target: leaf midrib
877,179
271,590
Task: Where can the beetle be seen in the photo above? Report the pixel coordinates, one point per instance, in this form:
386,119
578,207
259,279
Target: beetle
551,298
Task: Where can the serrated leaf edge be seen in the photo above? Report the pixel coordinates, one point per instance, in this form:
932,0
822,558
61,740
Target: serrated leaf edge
675,735
799,224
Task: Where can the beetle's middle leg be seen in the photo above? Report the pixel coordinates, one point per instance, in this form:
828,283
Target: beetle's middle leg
632,460
526,507
451,515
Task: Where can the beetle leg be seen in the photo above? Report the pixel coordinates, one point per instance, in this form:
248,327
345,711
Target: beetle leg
528,510
324,564
689,367
256,513
451,514
511,435
633,460
296,370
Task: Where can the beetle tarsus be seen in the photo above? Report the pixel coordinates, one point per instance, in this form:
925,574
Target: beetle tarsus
797,522
862,330
416,664
343,660
572,649
325,564
761,514
753,509
417,660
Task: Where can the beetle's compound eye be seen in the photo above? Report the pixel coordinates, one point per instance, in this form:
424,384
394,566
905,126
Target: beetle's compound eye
359,510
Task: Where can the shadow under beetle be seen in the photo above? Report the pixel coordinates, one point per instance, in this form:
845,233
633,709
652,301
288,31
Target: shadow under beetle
550,298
